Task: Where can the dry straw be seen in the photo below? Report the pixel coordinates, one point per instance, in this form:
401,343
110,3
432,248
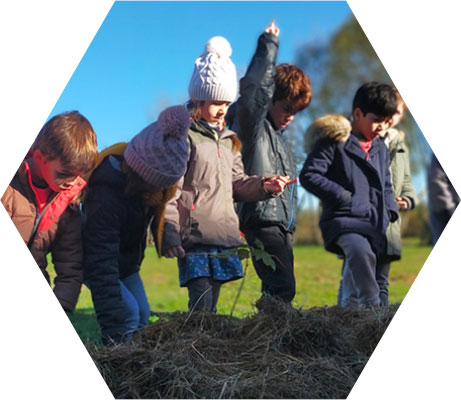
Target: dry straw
278,353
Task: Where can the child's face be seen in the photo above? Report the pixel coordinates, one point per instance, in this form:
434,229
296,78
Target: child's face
281,113
370,125
214,111
53,173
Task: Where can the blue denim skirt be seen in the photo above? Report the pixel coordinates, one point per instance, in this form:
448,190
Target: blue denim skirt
218,263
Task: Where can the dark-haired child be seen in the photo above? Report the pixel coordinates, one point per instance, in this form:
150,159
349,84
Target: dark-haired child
348,170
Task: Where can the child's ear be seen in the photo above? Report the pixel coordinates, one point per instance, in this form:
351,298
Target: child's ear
39,157
357,114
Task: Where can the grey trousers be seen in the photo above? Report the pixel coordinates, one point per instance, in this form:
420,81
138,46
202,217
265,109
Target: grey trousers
359,284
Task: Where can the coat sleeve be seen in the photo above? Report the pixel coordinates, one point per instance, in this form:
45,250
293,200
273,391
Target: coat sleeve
257,87
247,188
7,201
408,192
67,257
172,224
313,176
389,198
104,214
442,195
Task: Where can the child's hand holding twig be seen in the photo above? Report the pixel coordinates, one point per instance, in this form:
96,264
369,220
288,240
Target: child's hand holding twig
277,184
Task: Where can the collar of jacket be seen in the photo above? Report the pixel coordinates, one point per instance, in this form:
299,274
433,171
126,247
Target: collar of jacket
225,134
352,145
54,209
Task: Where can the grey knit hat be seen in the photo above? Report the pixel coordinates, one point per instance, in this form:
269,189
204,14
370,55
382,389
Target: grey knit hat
158,154
215,76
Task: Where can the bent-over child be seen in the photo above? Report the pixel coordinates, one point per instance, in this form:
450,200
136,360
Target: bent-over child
348,170
43,199
201,225
126,193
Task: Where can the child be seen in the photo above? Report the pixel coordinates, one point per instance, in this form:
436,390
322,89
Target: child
405,198
270,97
348,170
404,193
42,199
130,186
201,225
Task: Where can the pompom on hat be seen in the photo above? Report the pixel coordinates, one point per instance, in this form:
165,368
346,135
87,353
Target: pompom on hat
215,76
158,154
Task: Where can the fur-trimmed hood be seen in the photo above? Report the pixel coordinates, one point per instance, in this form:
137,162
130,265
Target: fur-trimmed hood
331,126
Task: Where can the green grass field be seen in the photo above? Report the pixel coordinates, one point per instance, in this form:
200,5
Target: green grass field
317,276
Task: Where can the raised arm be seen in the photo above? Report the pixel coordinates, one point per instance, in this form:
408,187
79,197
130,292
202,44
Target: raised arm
258,85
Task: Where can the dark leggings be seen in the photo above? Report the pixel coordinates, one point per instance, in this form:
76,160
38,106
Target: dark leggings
278,243
203,294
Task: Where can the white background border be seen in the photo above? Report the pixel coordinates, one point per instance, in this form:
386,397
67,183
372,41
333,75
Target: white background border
42,43
418,43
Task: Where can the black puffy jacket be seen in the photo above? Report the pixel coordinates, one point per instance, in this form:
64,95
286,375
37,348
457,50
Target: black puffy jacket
114,240
264,151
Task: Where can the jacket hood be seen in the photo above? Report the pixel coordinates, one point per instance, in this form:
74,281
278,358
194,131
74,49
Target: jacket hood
332,126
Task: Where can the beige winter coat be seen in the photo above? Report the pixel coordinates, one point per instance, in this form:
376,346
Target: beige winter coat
202,212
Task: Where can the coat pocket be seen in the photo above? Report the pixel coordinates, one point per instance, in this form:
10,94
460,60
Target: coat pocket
360,209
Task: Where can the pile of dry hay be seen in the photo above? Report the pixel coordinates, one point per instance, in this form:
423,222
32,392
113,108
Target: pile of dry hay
280,352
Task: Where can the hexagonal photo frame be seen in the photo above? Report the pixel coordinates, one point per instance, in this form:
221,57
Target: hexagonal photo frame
165,101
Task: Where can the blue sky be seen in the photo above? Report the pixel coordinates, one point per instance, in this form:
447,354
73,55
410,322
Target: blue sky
142,57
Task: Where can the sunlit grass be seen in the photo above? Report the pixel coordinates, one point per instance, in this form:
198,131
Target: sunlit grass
317,280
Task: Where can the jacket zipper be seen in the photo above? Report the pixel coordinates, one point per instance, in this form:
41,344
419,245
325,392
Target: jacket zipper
292,190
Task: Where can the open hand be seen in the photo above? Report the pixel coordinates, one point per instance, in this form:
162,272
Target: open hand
272,28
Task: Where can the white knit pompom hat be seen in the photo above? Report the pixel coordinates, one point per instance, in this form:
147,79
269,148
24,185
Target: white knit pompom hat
158,154
215,75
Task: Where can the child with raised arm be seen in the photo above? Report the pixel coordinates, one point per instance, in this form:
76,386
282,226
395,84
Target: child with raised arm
43,199
270,97
201,225
348,170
